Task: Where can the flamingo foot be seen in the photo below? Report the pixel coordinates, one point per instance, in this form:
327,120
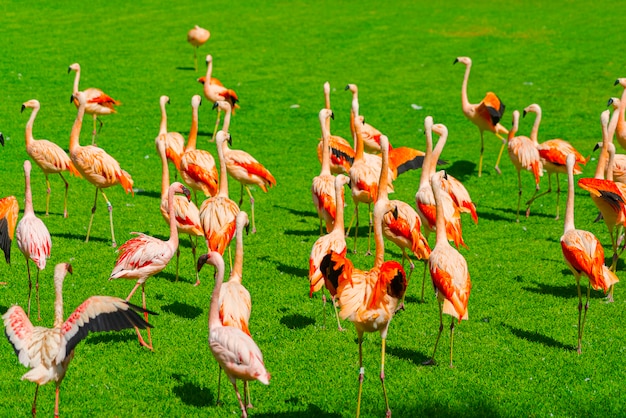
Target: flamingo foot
400,307
430,362
498,170
388,414
367,253
197,283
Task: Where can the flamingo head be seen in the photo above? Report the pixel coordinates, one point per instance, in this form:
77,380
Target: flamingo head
73,67
223,136
196,101
532,108
463,60
163,100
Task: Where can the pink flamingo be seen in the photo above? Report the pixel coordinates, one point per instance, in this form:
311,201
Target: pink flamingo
235,351
33,238
214,91
98,103
47,352
323,187
583,253
218,214
243,167
197,167
186,212
619,126
144,256
619,160
197,36
174,141
47,155
97,167
9,210
448,270
486,115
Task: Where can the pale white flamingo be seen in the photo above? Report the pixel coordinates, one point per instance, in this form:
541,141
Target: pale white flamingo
97,102
218,214
33,238
235,351
524,155
197,167
174,141
486,115
448,270
47,352
186,212
47,155
96,166
619,160
583,253
144,256
334,241
9,210
553,153
243,167
197,36
214,90
619,126
369,298
323,186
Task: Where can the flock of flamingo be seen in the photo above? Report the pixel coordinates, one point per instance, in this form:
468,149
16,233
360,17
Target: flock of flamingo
369,166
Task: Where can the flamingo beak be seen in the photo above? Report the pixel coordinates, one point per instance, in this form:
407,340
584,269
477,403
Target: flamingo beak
23,107
69,268
215,105
69,69
187,193
1,139
616,82
455,61
201,261
595,148
347,87
332,115
72,98
524,114
610,102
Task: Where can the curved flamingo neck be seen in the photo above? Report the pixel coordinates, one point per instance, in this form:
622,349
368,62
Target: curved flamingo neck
76,80
78,124
28,195
535,130
609,167
425,175
339,203
173,241
464,100
324,123
607,138
163,125
165,173
28,134
214,311
358,138
237,270
440,224
58,301
193,130
383,180
382,206
622,109
209,72
226,123
434,157
569,208
223,190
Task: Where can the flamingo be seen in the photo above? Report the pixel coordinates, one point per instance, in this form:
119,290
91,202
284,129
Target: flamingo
9,210
218,214
47,352
403,226
235,351
97,102
583,254
524,154
47,155
486,115
323,187
242,166
214,90
174,141
448,270
144,256
619,166
341,153
197,167
553,153
369,298
33,238
197,36
186,212
334,241
619,126
96,166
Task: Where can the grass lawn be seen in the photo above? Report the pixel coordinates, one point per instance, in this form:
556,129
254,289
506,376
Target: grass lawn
514,357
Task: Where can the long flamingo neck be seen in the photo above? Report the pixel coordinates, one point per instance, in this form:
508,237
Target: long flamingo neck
569,209
622,109
379,257
325,146
165,173
358,140
238,265
163,125
78,124
209,72
339,203
28,134
434,157
214,311
607,138
28,195
223,190
76,80
226,123
464,100
440,224
425,175
535,130
193,130
173,241
609,167
58,302
383,180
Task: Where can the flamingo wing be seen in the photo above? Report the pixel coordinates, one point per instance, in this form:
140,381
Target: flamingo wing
245,168
9,210
235,305
404,159
605,189
492,106
19,330
238,354
341,154
448,270
141,257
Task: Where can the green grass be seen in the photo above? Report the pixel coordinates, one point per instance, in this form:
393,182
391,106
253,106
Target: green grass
514,357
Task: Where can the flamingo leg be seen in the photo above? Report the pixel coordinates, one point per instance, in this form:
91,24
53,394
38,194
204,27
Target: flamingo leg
193,253
67,185
356,228
339,327
451,341
244,413
424,279
580,308
558,195
30,285
519,194
37,295
110,208
195,58
537,196
177,259
497,167
369,236
94,132
361,375
480,160
219,385
382,377
145,313
432,361
252,209
241,199
217,122
56,401
411,267
246,395
93,211
324,306
47,194
351,219
34,407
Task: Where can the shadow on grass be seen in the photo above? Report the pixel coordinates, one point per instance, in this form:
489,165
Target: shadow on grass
311,411
149,193
473,408
192,394
82,237
538,338
301,233
296,212
182,310
462,170
3,309
182,278
294,271
296,321
567,291
413,356
186,68
112,337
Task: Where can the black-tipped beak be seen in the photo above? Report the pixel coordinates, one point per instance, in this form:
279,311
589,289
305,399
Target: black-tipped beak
69,69
596,147
70,270
524,114
1,139
616,82
230,140
200,103
610,102
187,193
72,98
395,212
23,107
445,175
347,87
455,61
332,115
201,261
247,229
215,105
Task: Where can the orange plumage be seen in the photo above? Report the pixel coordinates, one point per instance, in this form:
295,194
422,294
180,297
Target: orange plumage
9,210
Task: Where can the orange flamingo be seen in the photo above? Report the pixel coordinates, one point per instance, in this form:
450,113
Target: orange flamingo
242,166
47,155
449,273
144,256
401,227
186,212
98,167
214,90
370,298
218,214
619,126
9,210
97,102
323,187
197,167
334,241
235,351
524,154
33,238
583,254
174,141
341,152
486,115
197,36
553,153
47,352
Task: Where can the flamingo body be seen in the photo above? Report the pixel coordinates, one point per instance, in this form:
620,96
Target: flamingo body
9,210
